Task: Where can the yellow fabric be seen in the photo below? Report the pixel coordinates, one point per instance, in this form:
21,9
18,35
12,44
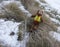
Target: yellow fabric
37,18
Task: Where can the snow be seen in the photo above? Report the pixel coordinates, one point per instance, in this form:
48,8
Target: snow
58,29
6,27
58,16
55,35
54,4
38,1
55,20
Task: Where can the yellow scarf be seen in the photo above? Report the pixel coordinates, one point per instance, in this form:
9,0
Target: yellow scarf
37,18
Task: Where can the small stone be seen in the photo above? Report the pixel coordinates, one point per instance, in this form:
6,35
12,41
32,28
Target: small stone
12,33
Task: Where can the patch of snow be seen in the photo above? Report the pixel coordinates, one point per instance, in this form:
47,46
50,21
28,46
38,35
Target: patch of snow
55,35
54,4
55,20
58,29
6,27
58,12
58,16
38,1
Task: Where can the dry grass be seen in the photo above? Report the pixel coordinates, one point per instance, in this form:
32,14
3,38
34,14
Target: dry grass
47,21
37,40
36,4
17,13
